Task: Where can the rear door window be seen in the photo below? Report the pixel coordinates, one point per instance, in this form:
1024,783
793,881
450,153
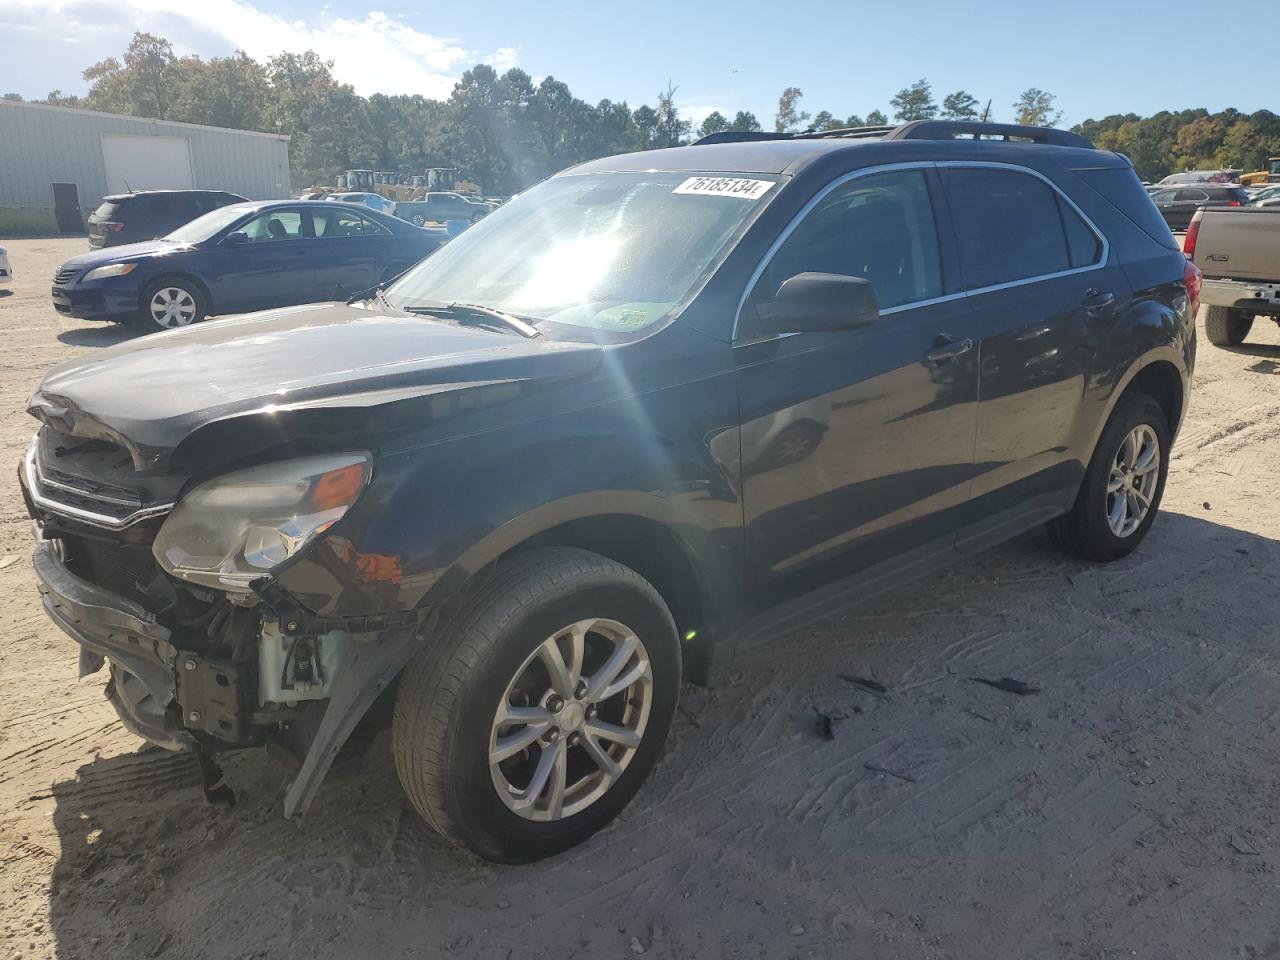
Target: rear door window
276,225
1012,226
1191,194
347,223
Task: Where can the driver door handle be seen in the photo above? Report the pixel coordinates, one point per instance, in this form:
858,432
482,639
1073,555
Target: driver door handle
946,349
1095,300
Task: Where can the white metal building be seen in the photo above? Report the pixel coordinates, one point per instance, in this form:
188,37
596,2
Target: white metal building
56,163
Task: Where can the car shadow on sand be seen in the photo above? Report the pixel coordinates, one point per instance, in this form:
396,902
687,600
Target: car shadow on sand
755,830
107,335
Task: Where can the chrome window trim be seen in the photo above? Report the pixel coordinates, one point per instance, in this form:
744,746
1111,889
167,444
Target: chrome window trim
1104,254
76,513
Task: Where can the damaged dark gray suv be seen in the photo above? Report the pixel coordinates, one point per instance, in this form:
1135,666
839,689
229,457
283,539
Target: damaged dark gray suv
659,408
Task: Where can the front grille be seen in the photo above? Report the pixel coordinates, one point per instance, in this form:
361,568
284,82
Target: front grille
65,275
92,481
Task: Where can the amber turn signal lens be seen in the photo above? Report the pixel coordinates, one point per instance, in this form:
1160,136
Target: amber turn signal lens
338,488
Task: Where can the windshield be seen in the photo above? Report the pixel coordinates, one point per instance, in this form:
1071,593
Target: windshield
202,228
613,252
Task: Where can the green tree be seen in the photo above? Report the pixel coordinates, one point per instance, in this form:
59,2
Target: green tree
960,105
1034,107
714,122
855,121
745,122
823,120
877,119
143,85
914,102
789,115
16,97
646,123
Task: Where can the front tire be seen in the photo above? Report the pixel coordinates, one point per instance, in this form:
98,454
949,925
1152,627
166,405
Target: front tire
1123,484
538,709
171,302
1226,327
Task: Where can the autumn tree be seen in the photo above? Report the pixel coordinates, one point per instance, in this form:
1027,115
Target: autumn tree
1035,108
789,115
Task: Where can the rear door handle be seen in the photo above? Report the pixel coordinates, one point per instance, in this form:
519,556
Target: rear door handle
946,349
1095,300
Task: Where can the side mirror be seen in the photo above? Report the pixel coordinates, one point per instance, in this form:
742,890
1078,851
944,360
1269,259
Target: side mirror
235,239
815,302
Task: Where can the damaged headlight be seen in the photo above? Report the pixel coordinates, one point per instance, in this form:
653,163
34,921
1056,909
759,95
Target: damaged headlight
235,528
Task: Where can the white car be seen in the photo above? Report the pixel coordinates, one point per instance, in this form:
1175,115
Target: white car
6,272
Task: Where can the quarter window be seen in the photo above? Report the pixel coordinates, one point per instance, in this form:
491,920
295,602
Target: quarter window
879,227
1012,226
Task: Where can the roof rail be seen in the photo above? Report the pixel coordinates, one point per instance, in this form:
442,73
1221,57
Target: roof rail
915,130
740,136
977,130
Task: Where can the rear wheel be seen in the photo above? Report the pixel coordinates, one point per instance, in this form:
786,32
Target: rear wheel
537,711
477,217
1122,486
171,302
417,219
1226,327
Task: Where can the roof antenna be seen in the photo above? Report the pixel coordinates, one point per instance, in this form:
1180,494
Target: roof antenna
986,112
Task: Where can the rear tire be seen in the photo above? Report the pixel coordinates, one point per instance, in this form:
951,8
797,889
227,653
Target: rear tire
1226,327
488,658
1105,523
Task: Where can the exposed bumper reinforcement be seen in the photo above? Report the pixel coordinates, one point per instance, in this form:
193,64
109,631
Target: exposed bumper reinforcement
110,627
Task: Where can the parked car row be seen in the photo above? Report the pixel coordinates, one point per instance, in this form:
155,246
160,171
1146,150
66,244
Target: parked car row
1178,204
241,257
667,406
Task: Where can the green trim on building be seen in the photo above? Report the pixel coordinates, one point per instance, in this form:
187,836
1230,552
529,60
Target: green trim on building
27,221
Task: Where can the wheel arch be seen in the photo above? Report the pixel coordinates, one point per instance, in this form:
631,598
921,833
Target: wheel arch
1161,381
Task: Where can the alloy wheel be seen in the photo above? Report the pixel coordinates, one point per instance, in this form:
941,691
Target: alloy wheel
172,307
571,720
1131,484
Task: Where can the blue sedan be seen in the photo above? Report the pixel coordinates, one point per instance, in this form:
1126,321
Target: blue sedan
248,256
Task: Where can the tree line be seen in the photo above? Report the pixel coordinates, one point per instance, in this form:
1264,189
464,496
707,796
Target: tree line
506,132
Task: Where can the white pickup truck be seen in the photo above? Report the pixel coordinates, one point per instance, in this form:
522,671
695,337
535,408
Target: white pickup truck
1238,251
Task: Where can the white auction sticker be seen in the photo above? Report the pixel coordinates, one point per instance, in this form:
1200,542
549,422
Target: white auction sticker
725,187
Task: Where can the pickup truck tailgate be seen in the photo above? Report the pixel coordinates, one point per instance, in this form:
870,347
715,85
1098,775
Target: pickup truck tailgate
1239,243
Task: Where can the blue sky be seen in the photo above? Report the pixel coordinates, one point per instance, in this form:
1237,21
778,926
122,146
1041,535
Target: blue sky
1097,57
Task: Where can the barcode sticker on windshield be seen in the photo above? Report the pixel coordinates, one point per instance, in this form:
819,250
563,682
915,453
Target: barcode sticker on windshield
725,187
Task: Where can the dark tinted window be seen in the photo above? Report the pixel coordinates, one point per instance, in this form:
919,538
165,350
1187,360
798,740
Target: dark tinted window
879,227
1008,226
1191,193
1083,244
1121,187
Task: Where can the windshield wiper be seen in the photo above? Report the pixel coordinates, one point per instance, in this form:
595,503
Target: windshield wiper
459,310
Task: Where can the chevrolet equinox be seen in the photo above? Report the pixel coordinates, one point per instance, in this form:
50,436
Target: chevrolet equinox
659,408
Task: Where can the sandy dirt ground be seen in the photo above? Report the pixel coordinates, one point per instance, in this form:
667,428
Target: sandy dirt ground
1127,810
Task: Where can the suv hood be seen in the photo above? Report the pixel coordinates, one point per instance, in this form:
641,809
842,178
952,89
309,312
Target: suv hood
153,393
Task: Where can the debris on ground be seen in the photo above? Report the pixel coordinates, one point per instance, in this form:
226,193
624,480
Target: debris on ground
1008,685
826,723
1240,845
637,946
8,560
866,683
874,768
